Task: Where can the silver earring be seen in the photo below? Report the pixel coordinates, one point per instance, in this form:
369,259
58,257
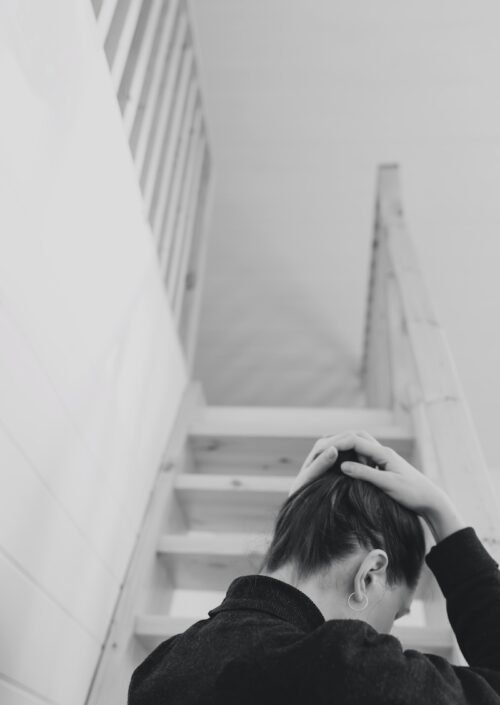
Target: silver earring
357,609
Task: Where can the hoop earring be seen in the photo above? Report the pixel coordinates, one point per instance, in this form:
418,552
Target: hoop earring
357,609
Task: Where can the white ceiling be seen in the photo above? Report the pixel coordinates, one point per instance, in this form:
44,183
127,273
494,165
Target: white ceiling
304,100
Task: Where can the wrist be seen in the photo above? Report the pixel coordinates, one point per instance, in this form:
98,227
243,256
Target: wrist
443,519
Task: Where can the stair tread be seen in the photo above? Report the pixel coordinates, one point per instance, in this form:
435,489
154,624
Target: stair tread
246,503
210,560
286,421
211,543
276,440
232,483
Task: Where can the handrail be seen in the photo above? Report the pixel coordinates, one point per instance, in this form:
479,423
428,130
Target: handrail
376,370
151,53
404,333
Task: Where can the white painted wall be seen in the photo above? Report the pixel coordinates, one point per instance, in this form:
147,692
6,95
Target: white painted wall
304,100
91,371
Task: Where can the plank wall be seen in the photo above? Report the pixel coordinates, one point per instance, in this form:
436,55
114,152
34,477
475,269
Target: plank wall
91,371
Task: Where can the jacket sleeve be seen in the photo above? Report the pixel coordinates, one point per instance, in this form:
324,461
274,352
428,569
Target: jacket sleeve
470,581
376,663
350,659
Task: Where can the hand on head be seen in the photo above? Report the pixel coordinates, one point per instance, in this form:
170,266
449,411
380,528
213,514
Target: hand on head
392,474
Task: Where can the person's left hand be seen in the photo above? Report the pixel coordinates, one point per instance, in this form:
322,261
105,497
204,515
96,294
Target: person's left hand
321,457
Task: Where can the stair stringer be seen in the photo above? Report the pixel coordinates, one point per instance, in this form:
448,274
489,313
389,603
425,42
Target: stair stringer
146,584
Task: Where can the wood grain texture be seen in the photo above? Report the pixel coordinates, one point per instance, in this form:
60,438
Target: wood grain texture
455,440
196,268
211,560
231,503
136,71
118,653
34,629
276,440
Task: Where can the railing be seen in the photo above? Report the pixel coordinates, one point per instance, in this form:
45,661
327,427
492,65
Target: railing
149,48
408,366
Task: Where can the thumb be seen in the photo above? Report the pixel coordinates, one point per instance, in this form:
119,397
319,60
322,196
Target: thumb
322,462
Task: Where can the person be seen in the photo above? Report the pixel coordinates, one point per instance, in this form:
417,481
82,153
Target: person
313,626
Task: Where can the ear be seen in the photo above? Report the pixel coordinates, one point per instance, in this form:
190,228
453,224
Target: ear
372,569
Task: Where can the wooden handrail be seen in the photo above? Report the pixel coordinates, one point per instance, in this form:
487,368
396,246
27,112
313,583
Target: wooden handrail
151,52
376,368
406,344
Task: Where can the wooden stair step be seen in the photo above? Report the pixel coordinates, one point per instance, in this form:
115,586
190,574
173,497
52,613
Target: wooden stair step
276,440
210,561
152,629
232,503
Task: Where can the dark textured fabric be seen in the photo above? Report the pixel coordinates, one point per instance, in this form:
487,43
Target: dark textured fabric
267,642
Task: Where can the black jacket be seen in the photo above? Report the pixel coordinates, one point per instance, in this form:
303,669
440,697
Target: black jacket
267,642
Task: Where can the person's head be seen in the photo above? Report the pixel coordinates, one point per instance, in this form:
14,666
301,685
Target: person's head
336,536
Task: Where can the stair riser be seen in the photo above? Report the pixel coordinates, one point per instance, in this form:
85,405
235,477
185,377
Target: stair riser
259,455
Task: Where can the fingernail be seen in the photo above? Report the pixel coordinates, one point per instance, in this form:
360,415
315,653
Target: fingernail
346,467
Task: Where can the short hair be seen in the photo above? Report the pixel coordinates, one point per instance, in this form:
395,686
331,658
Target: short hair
333,515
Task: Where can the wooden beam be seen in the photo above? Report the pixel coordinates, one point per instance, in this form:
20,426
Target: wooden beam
261,455
144,120
143,560
178,94
187,223
376,364
173,171
457,447
400,356
105,17
123,46
210,561
135,76
300,422
275,440
215,544
241,503
435,640
187,151
192,300
237,485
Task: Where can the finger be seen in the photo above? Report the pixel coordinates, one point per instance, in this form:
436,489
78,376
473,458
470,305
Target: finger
324,461
317,448
379,454
326,457
327,441
321,445
316,468
358,471
366,435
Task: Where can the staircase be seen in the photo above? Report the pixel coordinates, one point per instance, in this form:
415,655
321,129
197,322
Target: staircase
227,470
237,470
211,517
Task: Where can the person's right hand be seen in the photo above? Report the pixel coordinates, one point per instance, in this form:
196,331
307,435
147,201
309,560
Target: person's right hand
403,482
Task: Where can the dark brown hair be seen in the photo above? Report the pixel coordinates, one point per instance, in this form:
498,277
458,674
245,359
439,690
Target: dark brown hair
334,514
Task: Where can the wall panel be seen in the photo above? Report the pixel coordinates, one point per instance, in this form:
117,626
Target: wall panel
91,368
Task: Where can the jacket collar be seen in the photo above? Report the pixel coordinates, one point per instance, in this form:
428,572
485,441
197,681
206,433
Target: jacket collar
265,594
